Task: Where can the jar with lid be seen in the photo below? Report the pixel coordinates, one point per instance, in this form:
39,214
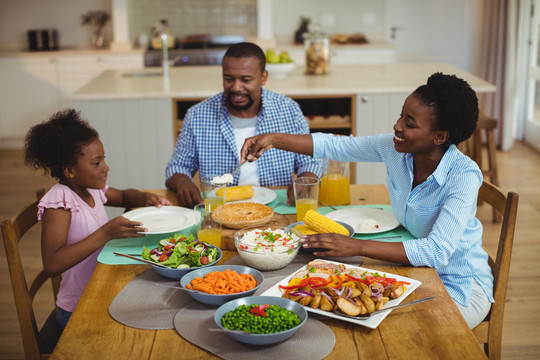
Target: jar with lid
317,48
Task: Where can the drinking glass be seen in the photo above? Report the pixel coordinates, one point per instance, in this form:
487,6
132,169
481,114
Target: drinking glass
209,228
335,184
210,191
306,195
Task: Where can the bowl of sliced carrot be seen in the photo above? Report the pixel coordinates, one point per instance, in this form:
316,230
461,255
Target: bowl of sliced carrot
219,284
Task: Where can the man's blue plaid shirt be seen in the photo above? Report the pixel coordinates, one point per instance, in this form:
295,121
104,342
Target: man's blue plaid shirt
206,142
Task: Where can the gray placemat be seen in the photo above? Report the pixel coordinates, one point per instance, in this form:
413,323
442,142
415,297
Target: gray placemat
314,340
143,305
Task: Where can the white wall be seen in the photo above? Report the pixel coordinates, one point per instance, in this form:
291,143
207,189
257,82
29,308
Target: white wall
437,30
338,16
18,16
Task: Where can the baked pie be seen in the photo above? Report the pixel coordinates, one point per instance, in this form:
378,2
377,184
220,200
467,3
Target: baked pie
241,215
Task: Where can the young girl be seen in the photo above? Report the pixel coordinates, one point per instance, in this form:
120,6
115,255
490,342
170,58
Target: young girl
75,226
433,189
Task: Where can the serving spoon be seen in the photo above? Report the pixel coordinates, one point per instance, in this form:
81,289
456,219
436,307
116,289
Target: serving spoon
141,260
388,308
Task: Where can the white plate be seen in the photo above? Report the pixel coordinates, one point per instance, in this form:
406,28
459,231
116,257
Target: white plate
356,216
261,195
375,319
163,220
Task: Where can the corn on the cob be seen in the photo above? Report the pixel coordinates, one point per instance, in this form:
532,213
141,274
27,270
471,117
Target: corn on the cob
305,230
322,224
236,192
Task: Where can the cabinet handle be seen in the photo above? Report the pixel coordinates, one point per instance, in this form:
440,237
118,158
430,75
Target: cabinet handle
364,99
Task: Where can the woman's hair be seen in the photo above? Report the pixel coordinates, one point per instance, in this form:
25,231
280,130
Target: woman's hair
454,104
245,50
57,143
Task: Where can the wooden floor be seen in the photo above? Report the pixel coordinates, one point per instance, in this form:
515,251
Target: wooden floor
519,171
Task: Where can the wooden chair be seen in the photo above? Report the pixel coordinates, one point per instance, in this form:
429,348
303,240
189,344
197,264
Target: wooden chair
37,344
489,332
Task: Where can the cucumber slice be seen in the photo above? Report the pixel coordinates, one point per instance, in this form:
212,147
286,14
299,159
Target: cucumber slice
183,266
164,242
154,257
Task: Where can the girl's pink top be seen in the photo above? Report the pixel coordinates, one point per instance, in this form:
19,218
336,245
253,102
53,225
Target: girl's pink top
84,221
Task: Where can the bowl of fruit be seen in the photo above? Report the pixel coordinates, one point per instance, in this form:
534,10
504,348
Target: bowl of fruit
278,65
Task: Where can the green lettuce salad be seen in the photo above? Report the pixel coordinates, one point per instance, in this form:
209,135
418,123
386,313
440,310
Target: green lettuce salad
182,252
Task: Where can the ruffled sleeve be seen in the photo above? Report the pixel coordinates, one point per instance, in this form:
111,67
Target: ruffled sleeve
62,197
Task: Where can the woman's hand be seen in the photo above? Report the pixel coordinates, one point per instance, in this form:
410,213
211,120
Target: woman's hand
255,146
158,201
341,245
335,244
120,227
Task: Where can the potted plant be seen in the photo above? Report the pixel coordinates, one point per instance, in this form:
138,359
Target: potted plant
302,29
98,20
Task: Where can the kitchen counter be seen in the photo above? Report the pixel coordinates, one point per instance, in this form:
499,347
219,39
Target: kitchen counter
138,114
205,81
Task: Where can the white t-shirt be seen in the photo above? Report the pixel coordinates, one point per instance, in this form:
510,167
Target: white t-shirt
244,128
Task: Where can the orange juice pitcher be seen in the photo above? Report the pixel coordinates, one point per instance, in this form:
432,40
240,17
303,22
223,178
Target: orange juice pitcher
335,184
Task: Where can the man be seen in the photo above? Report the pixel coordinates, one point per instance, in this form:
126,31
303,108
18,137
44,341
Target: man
214,131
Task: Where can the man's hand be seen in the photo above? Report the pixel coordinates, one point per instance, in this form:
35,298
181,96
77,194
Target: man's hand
187,193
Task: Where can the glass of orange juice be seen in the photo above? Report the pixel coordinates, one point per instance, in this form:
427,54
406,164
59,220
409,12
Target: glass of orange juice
209,228
335,184
306,195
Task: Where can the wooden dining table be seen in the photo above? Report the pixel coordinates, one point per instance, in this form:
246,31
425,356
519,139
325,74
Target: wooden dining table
430,330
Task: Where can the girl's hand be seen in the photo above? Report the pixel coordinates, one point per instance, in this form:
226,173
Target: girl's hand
158,201
336,245
120,227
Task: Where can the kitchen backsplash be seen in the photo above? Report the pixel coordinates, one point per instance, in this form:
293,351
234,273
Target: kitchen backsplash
188,17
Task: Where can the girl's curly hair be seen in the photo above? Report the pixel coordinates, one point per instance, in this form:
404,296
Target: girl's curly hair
56,143
454,104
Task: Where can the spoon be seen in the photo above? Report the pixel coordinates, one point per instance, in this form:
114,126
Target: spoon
141,260
178,288
388,308
230,330
238,167
232,174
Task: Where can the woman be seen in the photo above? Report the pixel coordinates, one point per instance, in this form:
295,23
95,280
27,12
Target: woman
433,189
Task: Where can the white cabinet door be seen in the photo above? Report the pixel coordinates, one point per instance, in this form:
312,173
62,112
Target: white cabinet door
28,95
376,114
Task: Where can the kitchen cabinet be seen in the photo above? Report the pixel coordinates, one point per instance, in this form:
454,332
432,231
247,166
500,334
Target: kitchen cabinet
34,86
28,95
376,114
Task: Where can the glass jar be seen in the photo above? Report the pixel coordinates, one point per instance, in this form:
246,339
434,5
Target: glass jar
335,184
317,48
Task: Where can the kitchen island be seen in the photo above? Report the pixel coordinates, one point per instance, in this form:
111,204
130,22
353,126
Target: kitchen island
138,113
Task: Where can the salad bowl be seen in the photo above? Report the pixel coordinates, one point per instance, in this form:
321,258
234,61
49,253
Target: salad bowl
212,299
177,274
180,254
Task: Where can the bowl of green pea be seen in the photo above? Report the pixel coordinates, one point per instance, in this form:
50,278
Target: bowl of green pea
260,320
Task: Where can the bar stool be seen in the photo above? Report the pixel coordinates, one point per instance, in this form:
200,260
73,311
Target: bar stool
486,129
